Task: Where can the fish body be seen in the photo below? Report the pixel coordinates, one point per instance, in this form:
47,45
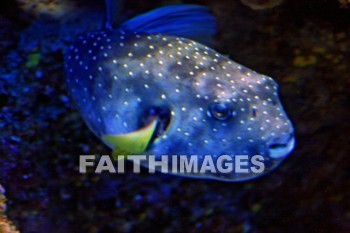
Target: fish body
204,103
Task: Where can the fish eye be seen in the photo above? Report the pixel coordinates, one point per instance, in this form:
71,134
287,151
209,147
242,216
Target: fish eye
220,111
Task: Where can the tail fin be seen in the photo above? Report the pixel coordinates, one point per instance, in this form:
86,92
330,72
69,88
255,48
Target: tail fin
190,21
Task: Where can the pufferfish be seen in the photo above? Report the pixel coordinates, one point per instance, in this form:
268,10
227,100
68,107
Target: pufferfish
152,86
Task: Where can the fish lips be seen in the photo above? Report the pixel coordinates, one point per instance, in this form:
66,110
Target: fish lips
282,146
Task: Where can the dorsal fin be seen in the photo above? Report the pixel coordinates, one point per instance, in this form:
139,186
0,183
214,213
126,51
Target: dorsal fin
189,21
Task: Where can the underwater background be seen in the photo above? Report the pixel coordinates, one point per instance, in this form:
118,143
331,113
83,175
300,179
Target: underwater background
303,45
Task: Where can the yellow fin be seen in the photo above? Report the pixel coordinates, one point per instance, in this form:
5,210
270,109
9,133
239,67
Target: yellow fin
131,143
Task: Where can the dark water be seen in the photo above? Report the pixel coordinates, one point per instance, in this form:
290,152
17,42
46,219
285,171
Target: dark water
304,45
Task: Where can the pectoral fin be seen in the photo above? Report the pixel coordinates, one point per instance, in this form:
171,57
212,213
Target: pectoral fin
132,143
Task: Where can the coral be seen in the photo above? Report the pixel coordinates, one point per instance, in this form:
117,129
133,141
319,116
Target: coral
6,226
261,4
344,3
54,8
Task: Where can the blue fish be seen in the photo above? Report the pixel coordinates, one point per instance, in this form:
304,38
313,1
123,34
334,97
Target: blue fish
153,86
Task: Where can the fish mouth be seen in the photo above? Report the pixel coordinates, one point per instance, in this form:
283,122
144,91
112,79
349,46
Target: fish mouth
162,115
282,146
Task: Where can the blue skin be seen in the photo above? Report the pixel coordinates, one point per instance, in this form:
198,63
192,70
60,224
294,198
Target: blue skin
152,67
